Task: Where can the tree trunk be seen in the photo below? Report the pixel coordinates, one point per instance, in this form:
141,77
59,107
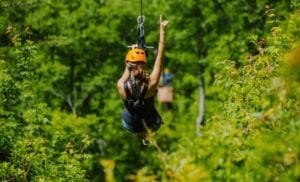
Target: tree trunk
201,114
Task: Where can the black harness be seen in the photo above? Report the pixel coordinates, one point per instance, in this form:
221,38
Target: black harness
136,97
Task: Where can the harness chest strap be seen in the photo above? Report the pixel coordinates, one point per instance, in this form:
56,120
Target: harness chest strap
135,91
127,91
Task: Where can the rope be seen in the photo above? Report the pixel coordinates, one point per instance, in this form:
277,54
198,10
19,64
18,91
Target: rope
140,28
140,32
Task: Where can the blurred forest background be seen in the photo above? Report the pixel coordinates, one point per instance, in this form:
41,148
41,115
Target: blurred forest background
60,110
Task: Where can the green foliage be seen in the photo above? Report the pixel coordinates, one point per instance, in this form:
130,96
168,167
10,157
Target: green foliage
60,110
254,136
27,151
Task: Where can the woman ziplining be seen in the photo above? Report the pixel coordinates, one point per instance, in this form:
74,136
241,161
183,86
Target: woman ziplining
137,88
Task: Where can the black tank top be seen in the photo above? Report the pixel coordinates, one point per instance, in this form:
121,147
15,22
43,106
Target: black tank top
136,104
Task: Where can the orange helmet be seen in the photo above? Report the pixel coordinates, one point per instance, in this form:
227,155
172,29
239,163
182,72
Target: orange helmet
136,55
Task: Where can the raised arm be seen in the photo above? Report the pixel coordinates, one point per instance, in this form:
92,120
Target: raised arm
157,68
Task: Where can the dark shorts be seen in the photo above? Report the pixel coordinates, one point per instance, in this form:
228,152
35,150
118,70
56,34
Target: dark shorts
136,124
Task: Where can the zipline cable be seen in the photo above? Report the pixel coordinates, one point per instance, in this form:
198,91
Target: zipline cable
141,7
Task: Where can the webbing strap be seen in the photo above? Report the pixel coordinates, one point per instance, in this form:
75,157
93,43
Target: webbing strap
144,91
127,91
136,92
